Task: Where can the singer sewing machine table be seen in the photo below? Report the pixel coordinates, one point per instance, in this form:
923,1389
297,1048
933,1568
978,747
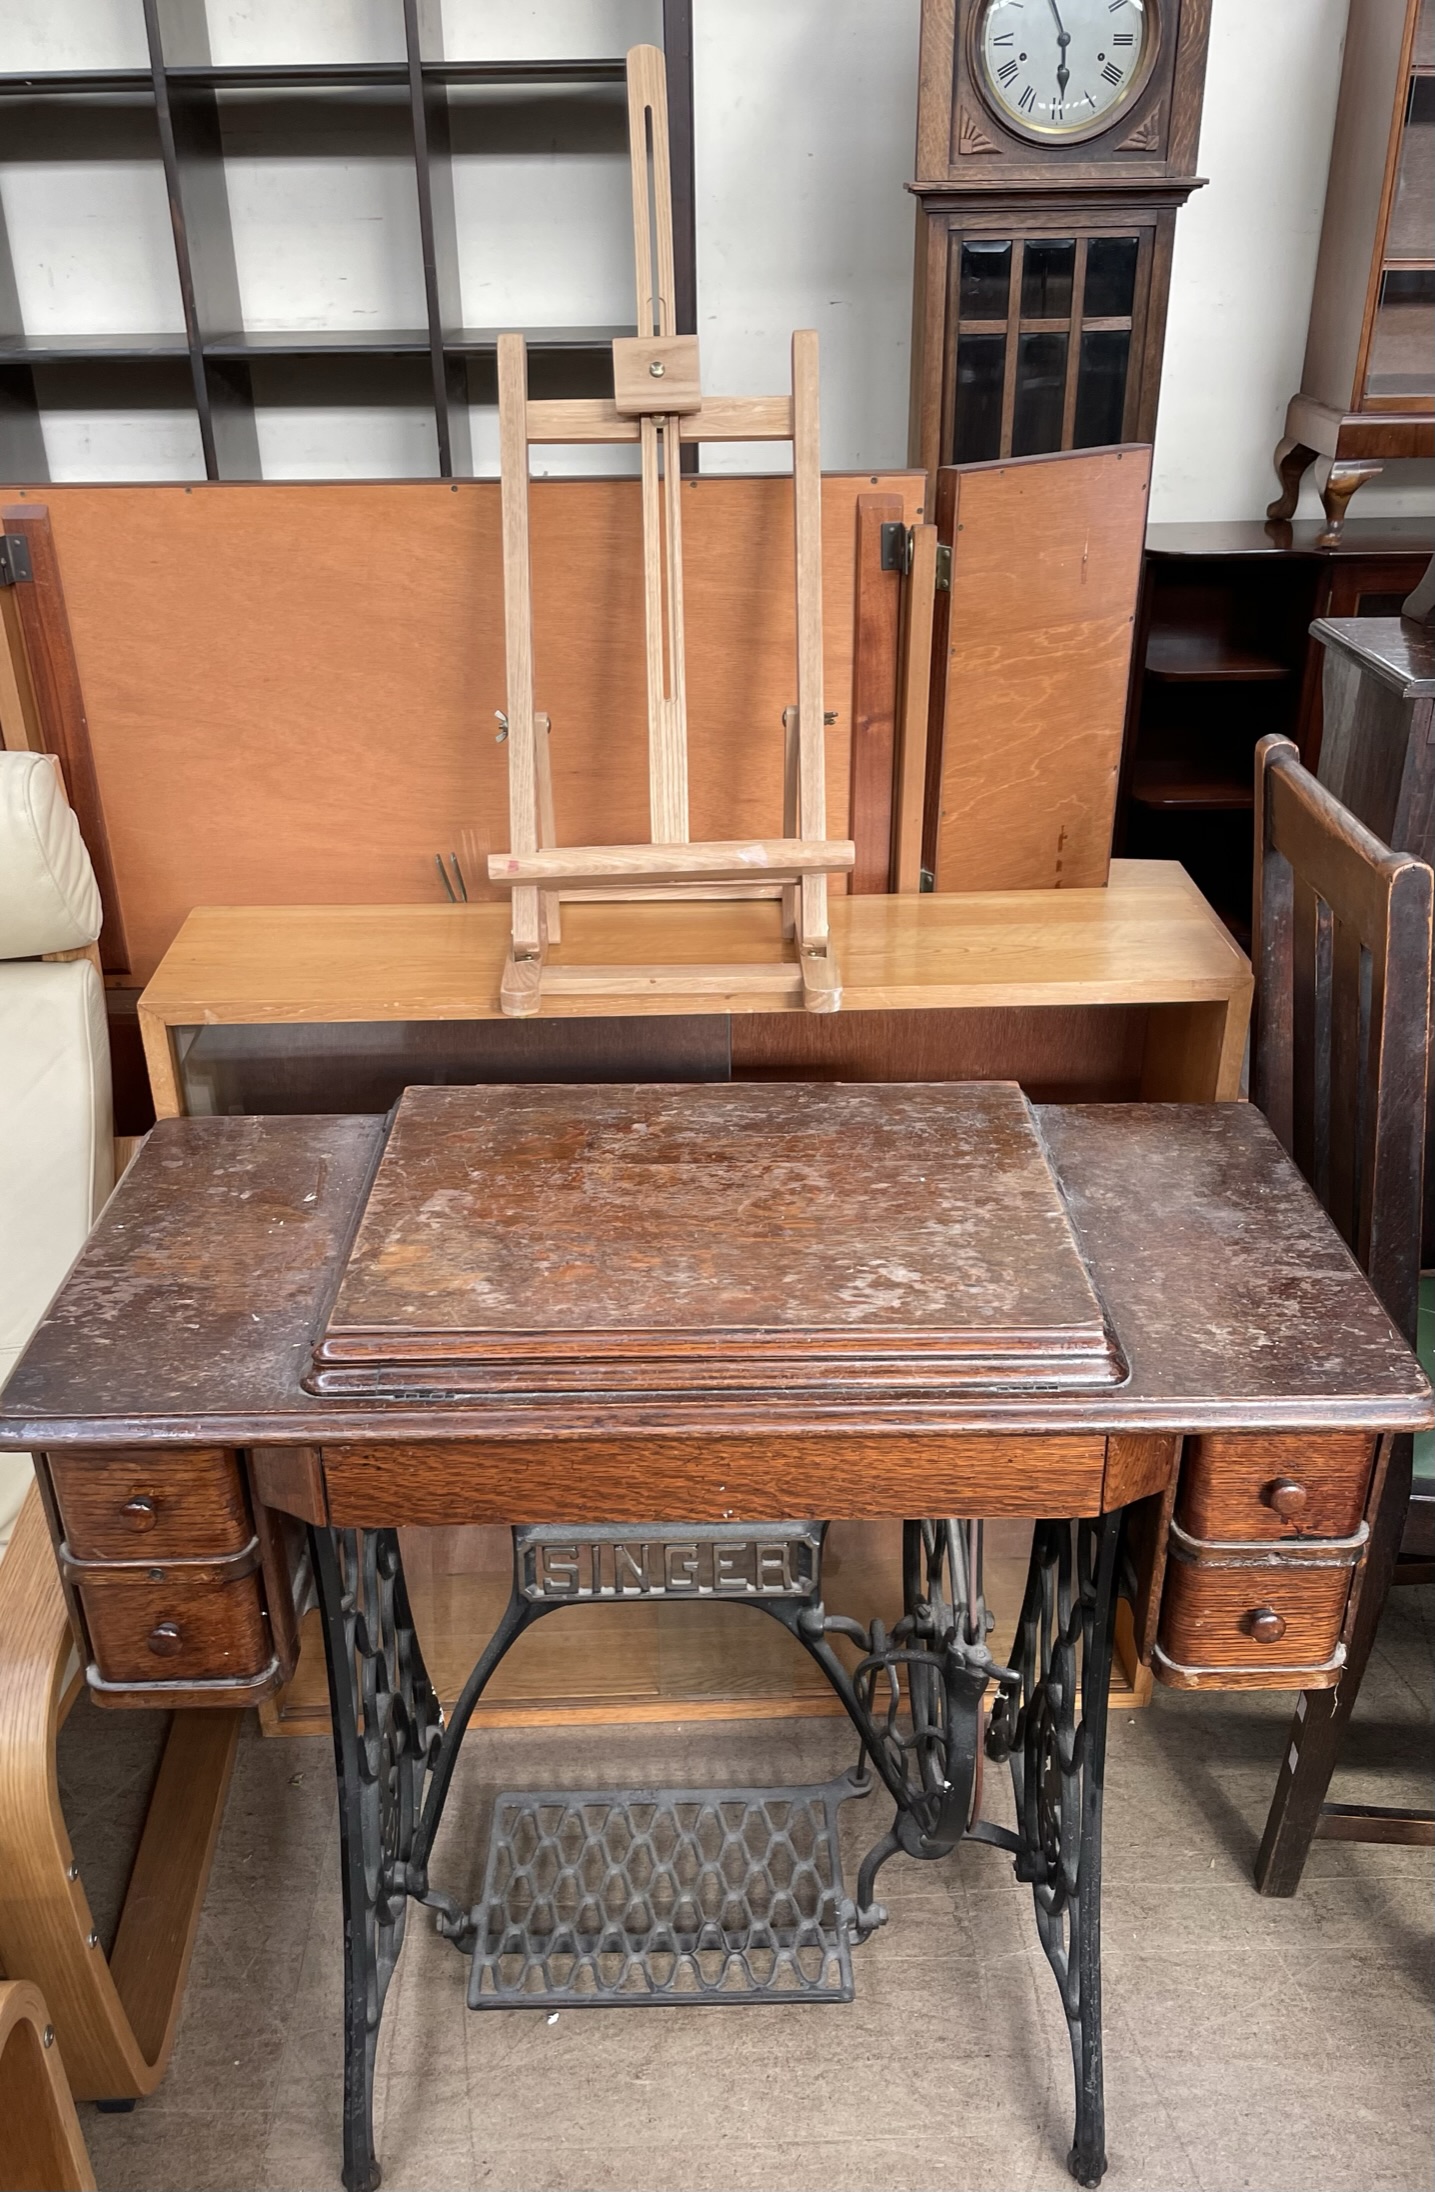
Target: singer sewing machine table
667,1334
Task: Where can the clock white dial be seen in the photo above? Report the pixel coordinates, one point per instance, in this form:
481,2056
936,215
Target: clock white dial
1053,68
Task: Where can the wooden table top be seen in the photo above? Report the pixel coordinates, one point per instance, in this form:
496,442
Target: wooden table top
191,1314
1148,938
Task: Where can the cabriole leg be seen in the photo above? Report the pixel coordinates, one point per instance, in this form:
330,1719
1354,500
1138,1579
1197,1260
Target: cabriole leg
1292,461
1341,481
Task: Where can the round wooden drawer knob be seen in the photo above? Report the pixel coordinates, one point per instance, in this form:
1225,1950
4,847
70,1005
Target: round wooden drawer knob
165,1639
141,1512
1266,1625
1285,1497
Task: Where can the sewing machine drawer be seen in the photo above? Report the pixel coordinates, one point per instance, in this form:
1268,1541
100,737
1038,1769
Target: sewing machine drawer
196,1621
134,1505
1288,1485
1221,1611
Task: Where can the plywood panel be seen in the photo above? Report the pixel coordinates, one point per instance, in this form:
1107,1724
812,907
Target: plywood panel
1033,648
291,690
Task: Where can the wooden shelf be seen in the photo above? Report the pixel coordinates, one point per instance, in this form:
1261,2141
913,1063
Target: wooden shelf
527,72
1176,786
1192,656
376,342
73,83
310,76
469,341
66,349
1148,937
1147,940
315,342
291,76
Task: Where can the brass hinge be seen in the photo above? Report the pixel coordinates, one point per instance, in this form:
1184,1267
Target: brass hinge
944,570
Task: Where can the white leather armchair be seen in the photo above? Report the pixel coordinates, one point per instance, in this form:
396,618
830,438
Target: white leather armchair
114,2017
56,1126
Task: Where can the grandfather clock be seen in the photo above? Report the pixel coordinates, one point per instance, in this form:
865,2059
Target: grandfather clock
1056,142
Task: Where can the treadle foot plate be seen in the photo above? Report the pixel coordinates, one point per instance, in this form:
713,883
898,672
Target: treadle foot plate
624,1897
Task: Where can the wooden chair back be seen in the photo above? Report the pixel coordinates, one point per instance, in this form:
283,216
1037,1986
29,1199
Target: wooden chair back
1340,1033
1340,1044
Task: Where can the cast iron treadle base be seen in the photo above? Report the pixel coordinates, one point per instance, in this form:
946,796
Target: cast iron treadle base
603,1897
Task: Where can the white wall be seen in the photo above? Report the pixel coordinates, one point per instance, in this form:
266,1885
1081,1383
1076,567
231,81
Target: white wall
805,129
806,117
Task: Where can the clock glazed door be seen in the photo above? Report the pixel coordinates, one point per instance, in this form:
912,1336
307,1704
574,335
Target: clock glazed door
1043,337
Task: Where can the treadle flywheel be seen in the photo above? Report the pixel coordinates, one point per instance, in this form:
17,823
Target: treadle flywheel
625,1897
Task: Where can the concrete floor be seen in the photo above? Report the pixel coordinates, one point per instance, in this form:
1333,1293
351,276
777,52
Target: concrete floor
1248,2043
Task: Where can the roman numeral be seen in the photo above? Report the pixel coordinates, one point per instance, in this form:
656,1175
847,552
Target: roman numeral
1027,100
1112,73
1058,111
1007,71
1007,38
1116,7
1123,38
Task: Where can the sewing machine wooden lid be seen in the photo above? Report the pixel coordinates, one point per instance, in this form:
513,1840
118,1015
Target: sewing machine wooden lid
722,1237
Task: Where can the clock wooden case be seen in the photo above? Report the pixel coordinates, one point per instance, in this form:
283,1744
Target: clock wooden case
1049,175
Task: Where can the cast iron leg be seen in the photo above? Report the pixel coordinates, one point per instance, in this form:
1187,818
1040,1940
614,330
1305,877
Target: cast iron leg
1055,1738
386,1725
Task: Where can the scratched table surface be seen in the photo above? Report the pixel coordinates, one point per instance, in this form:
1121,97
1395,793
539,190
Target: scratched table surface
193,1312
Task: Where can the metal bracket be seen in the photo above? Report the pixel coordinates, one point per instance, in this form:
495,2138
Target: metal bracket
15,564
897,547
944,570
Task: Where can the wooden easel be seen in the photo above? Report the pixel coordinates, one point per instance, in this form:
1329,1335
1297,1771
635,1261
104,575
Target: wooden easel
658,402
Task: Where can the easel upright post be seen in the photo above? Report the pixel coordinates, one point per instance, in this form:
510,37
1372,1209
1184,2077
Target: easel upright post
658,402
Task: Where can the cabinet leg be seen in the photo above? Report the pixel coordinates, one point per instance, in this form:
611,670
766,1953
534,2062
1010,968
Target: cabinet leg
1322,1716
1341,482
1292,461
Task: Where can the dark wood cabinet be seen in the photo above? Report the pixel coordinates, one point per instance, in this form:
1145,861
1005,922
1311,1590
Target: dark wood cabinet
1223,655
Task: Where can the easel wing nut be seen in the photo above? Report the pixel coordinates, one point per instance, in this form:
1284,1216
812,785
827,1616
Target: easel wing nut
656,374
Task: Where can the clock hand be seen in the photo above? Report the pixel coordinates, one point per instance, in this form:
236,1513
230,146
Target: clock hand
1063,40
